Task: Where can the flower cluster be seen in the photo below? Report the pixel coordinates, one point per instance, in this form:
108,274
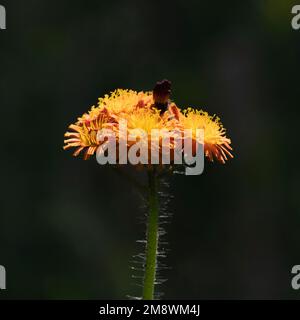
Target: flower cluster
143,112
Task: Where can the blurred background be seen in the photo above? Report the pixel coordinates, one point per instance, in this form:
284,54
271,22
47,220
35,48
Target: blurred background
68,227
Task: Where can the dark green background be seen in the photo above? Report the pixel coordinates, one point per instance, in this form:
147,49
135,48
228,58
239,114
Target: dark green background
68,227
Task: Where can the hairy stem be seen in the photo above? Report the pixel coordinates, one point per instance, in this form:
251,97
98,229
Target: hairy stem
152,237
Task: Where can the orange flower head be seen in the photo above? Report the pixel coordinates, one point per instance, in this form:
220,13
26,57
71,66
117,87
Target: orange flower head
143,112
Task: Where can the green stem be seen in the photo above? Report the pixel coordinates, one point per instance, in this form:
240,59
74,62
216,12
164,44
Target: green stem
152,237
